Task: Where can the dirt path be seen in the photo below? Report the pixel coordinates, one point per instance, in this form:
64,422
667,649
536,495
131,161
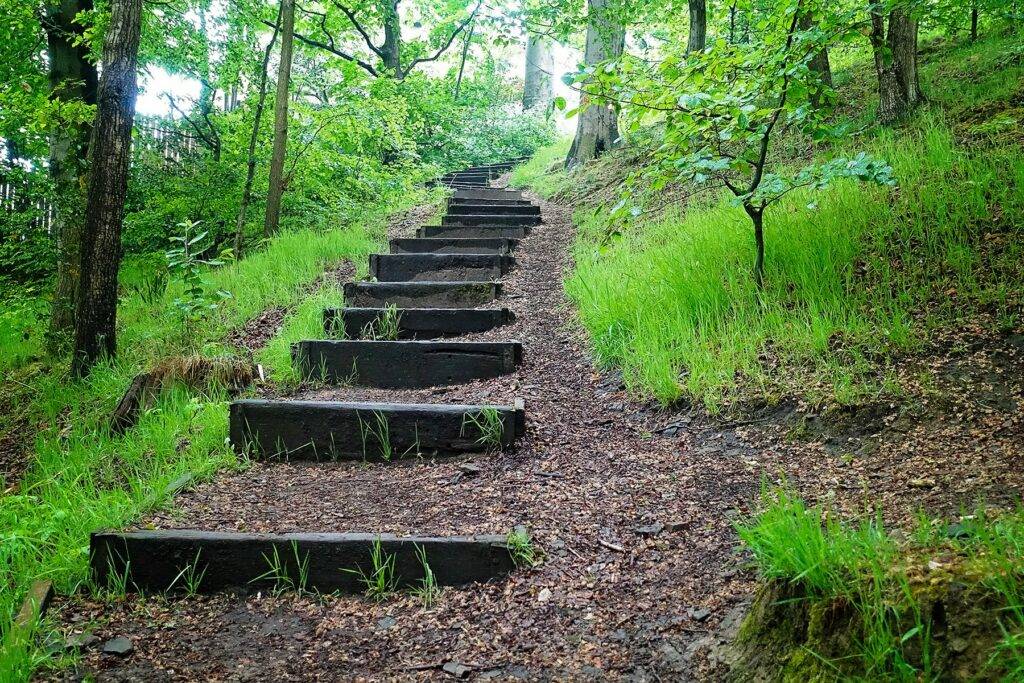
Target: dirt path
635,521
586,478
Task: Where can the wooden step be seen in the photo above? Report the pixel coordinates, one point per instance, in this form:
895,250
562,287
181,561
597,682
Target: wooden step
332,430
412,323
487,219
482,209
421,294
452,245
487,231
404,364
488,193
208,561
438,267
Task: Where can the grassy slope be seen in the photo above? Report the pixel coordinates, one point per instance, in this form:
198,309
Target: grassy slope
81,478
852,284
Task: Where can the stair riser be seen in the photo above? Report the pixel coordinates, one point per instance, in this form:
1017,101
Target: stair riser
438,267
488,193
488,210
381,432
415,323
517,232
477,219
420,295
156,561
404,364
438,245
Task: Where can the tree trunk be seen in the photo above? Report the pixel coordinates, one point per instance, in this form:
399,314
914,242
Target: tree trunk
109,156
250,170
284,72
698,26
540,63
895,54
72,77
597,129
391,49
974,22
462,62
757,218
819,63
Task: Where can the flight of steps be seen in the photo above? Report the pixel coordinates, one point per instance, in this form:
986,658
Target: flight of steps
394,332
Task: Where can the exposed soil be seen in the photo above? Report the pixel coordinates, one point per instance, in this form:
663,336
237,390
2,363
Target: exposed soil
633,507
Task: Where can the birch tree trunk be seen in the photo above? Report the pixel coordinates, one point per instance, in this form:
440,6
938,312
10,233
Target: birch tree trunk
109,156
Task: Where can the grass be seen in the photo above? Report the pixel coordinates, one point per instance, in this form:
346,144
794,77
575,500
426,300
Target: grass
891,585
381,581
861,280
487,423
80,477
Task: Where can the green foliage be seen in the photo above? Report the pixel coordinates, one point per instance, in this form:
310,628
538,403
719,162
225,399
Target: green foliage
196,301
520,547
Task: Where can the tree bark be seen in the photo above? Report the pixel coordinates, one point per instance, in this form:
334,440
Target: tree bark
757,217
819,63
540,63
109,156
284,72
697,39
597,130
895,54
250,170
391,49
72,77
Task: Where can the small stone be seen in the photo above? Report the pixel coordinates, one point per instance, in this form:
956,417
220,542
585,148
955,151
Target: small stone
119,646
699,613
80,641
455,669
676,526
922,483
469,469
544,595
958,645
384,623
650,529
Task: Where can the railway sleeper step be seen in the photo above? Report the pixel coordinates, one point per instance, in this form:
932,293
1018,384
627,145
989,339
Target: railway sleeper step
379,432
487,219
411,323
479,209
209,561
421,294
452,245
488,193
404,364
439,267
515,232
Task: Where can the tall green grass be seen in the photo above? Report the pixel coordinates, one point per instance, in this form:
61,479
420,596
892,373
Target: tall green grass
674,304
887,583
81,478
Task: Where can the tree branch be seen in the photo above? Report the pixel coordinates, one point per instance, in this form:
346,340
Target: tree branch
359,27
448,43
333,50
